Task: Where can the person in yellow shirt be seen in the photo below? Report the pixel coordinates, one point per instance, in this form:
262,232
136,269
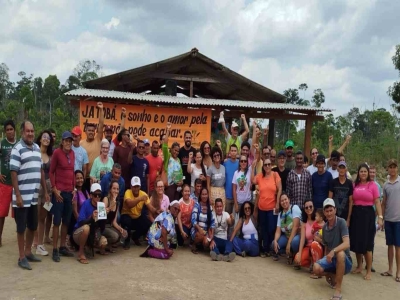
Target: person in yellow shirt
133,214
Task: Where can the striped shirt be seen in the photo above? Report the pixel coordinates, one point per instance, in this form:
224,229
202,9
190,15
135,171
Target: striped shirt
27,162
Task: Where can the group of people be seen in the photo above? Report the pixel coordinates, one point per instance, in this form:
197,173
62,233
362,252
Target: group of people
247,199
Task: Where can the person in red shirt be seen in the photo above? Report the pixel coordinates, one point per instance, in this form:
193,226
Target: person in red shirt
62,180
155,164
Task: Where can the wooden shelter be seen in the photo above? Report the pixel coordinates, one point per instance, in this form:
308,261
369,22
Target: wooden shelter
207,84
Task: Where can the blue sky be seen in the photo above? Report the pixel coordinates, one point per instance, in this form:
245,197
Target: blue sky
343,47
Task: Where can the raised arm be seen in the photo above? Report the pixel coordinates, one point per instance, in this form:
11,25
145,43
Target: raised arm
254,137
345,143
265,136
246,126
224,130
99,134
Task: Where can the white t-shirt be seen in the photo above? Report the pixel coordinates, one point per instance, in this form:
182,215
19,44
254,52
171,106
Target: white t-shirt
312,169
196,174
221,225
335,173
243,185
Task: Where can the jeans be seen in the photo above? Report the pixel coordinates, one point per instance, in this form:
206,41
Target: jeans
178,234
141,225
222,246
249,246
282,243
267,227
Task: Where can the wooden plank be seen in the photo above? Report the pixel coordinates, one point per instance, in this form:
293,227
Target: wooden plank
184,77
307,137
266,115
191,90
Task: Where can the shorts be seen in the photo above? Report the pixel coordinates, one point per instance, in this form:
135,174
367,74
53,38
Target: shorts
331,267
62,211
26,217
5,199
41,199
392,233
99,240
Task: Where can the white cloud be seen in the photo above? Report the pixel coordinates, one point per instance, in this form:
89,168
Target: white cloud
112,24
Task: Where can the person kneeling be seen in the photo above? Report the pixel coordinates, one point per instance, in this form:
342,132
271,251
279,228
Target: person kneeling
161,233
337,261
220,243
88,229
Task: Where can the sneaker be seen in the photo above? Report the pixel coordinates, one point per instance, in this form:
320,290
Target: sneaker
24,264
231,256
33,258
41,250
56,256
213,255
64,252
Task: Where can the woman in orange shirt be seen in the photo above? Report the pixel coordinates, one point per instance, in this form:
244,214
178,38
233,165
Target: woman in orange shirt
267,205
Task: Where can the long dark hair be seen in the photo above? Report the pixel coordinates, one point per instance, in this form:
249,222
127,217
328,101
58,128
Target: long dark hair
50,147
280,206
202,145
84,192
241,212
304,216
247,168
214,150
358,180
209,216
203,168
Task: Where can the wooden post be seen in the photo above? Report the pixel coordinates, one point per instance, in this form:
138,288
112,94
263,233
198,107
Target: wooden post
307,137
271,133
191,89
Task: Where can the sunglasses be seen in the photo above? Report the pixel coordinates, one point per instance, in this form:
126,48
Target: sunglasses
308,207
314,153
96,195
267,165
141,147
244,160
247,208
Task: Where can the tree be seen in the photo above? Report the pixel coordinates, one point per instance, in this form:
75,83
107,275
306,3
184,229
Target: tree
84,71
303,87
318,98
394,90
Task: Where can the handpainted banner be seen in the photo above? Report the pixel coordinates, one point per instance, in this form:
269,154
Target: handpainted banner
149,122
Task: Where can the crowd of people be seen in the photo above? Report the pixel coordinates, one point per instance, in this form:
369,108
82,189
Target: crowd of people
101,193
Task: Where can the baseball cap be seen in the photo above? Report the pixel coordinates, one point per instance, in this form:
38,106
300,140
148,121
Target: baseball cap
234,124
76,130
146,141
95,187
108,128
342,163
320,158
392,162
66,135
281,153
135,181
289,143
329,202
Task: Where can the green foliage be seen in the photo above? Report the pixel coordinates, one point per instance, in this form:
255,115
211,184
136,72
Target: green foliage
394,91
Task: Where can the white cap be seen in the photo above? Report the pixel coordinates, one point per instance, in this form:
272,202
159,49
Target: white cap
329,202
234,124
175,202
95,187
135,181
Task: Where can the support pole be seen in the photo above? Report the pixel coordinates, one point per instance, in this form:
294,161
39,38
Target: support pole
307,137
191,89
271,132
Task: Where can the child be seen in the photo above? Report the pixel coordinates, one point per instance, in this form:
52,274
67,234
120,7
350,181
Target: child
318,223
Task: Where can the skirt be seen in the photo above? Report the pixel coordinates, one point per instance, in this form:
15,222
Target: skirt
362,229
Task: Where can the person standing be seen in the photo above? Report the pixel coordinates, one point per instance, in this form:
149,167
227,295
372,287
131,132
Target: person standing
140,166
290,160
92,144
231,166
281,170
334,161
62,178
313,167
216,177
298,183
81,156
5,177
341,191
155,165
391,213
121,154
184,156
108,134
235,138
26,175
337,260
320,181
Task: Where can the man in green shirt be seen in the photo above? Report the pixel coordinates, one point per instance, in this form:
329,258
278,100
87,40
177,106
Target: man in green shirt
5,178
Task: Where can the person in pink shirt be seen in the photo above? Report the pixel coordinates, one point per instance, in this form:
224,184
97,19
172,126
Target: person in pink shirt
62,178
158,200
362,220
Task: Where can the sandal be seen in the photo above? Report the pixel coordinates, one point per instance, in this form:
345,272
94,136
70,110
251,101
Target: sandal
83,261
102,252
386,274
275,258
397,279
194,251
336,297
313,276
331,283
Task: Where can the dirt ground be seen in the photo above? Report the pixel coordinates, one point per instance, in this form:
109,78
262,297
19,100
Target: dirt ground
185,276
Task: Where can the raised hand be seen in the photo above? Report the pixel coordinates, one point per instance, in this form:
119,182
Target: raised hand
100,105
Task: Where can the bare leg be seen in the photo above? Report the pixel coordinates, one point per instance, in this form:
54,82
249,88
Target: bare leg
368,259
397,261
21,245
359,264
390,253
64,230
49,220
340,269
56,232
29,240
2,219
82,242
41,225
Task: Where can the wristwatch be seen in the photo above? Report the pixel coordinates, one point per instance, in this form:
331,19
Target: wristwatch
380,217
334,251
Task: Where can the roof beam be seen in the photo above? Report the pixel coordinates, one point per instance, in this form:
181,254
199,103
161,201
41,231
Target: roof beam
191,78
276,115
